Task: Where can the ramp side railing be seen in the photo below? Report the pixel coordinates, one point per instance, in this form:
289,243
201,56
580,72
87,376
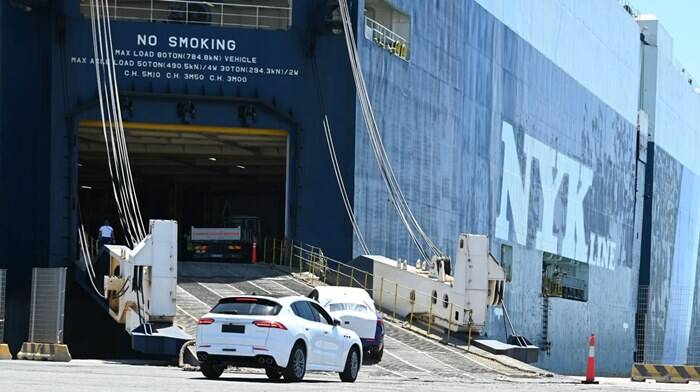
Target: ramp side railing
311,264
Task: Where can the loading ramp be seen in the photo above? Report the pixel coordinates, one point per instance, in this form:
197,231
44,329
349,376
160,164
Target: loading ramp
407,355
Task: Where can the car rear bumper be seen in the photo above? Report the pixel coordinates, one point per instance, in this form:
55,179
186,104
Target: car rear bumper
257,361
243,356
372,344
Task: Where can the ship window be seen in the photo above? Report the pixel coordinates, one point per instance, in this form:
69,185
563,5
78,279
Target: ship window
255,14
445,301
564,277
433,297
507,260
387,27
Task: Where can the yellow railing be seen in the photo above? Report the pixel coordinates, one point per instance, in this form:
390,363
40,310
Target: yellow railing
422,308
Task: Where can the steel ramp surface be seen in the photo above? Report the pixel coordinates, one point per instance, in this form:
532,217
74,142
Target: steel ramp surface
407,354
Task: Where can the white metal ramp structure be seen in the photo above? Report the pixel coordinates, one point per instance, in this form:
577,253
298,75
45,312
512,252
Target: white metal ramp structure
140,288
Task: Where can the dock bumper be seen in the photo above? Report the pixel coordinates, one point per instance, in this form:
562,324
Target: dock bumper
55,352
5,351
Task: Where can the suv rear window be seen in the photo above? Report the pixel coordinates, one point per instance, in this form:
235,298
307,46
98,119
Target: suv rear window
245,306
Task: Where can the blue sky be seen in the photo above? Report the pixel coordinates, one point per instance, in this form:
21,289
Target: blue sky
681,18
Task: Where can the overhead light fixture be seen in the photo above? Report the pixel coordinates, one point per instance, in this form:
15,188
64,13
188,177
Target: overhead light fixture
80,164
212,159
85,187
240,166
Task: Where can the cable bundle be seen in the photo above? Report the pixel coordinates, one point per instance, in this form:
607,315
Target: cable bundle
112,125
115,143
420,239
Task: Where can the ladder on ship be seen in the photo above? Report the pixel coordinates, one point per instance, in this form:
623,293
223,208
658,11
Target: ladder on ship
544,343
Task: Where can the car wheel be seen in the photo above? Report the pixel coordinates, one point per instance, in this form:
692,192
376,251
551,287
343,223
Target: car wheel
376,354
212,370
273,374
352,366
296,367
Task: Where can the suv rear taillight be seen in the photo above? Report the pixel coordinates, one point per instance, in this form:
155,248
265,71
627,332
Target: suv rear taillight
269,324
205,321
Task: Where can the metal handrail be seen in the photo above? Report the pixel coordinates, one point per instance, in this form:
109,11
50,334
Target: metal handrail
387,38
302,258
162,11
384,30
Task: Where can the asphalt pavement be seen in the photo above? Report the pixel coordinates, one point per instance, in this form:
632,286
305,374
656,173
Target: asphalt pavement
92,375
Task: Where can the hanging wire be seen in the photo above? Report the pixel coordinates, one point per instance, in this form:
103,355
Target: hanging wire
112,125
115,141
396,195
334,162
341,185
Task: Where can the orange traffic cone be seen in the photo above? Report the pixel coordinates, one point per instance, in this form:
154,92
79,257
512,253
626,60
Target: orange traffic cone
590,368
254,253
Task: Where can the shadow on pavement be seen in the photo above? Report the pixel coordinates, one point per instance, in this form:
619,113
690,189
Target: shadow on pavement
260,380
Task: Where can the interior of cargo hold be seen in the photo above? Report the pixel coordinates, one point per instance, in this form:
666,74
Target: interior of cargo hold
224,186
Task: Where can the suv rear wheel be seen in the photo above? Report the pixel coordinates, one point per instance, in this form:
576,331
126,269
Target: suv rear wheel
212,370
296,367
352,366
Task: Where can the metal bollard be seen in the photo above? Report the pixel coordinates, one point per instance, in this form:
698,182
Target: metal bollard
410,319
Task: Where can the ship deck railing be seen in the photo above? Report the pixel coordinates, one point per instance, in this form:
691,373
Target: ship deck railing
386,38
272,15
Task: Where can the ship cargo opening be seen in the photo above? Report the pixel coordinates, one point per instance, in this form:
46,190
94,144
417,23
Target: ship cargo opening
224,186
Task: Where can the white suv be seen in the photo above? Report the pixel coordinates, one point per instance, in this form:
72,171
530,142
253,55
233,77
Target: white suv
285,336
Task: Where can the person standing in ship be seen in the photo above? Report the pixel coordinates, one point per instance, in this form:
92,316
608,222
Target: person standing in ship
106,234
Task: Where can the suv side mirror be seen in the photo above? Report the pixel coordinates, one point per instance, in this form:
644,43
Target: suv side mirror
336,322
